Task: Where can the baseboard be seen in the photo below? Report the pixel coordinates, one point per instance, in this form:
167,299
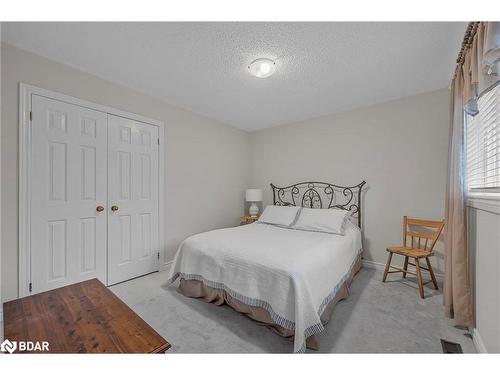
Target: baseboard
166,265
381,267
478,342
373,265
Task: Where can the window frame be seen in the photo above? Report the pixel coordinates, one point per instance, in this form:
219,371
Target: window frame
488,193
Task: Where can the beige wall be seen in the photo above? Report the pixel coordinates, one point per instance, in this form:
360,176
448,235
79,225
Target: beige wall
206,161
399,148
484,244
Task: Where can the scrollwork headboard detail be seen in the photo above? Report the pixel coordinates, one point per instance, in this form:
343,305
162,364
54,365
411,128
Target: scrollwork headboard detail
320,195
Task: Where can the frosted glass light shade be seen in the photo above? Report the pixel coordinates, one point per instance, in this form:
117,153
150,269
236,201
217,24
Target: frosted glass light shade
262,68
253,195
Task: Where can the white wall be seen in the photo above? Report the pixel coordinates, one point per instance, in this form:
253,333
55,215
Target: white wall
206,161
484,244
399,148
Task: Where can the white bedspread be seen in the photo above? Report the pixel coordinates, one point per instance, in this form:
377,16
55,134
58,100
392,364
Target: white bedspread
293,274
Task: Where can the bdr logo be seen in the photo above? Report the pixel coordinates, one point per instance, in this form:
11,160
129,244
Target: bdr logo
8,346
23,346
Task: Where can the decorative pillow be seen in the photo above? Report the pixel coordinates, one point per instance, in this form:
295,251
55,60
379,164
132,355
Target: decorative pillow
279,215
322,220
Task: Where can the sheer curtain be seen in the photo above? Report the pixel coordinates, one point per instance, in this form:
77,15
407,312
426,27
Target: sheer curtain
477,70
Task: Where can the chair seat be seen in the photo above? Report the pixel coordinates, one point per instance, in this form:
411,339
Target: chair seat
410,251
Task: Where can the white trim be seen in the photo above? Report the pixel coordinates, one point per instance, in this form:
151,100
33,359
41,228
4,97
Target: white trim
25,93
486,192
373,265
24,189
165,266
162,201
84,103
478,342
489,204
381,267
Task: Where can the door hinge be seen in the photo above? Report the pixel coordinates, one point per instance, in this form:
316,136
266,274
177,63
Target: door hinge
31,116
158,140
30,287
158,255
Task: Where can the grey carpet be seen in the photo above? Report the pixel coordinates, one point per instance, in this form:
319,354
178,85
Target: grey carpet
376,318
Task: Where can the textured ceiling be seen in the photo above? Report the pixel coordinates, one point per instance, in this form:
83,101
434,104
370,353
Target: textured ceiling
322,68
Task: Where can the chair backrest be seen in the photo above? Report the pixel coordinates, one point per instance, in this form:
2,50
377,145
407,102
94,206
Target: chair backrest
420,230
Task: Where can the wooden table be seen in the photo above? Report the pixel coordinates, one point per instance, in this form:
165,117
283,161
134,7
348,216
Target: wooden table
81,318
247,219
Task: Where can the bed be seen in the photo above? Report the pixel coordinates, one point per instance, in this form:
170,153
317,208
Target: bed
287,279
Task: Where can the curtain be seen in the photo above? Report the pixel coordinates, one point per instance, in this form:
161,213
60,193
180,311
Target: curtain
478,72
480,69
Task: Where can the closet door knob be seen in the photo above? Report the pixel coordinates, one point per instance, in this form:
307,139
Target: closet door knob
99,208
114,208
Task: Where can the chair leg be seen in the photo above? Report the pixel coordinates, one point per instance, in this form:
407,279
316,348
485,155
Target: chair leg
387,267
419,278
405,267
432,273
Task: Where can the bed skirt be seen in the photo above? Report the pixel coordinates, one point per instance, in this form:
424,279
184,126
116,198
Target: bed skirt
198,289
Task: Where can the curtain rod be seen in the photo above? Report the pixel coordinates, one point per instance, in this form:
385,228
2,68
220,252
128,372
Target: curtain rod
470,32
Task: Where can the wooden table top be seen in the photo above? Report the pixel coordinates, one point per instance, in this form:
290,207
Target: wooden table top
248,218
81,318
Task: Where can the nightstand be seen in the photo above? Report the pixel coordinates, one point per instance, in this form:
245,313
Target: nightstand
247,219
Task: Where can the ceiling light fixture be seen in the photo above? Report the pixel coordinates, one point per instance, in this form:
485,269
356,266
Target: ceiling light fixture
262,68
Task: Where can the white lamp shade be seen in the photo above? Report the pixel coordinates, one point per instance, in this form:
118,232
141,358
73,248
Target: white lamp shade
253,195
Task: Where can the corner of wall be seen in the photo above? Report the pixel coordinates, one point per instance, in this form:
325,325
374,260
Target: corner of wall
478,342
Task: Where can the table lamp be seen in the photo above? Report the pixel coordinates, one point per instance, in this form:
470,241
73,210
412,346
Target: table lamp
253,196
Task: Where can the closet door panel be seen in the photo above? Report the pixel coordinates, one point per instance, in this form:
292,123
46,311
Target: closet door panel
133,242
68,180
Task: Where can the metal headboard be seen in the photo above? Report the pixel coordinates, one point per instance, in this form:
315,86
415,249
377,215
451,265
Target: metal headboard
320,195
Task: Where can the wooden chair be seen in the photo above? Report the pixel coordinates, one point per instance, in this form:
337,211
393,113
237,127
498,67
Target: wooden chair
418,230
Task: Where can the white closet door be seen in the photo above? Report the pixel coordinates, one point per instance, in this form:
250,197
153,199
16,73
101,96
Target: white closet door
133,244
68,183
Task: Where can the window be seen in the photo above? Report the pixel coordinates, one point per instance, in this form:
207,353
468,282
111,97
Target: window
483,144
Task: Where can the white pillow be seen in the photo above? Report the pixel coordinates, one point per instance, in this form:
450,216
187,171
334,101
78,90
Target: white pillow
322,220
279,215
